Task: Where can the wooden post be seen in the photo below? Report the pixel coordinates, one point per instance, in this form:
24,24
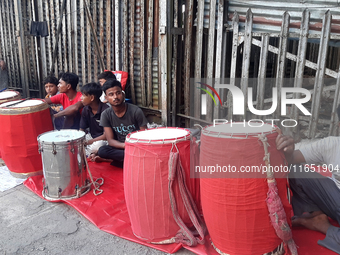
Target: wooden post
88,14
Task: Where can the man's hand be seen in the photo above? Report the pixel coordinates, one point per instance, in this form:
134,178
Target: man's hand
285,143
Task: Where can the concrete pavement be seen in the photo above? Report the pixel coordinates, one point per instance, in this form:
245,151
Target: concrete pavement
30,225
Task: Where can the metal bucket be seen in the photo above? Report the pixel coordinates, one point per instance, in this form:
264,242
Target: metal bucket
64,166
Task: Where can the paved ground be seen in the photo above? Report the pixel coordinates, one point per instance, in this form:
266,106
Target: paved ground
30,225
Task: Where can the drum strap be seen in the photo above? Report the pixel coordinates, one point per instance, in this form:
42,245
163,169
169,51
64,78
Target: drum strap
96,184
184,235
276,211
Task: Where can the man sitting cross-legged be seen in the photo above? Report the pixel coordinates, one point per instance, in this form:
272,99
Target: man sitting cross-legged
118,121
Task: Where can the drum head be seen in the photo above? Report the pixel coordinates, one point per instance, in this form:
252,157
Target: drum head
238,129
24,103
159,135
8,94
61,136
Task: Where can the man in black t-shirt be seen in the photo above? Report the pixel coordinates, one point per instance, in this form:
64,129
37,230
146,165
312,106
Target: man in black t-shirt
118,121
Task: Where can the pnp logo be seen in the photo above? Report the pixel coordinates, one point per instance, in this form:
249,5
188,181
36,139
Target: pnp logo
238,99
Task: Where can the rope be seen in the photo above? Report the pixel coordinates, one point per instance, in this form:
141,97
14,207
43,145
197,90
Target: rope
184,235
281,226
96,184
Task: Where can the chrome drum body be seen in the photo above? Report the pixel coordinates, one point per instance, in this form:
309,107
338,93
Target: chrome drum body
64,167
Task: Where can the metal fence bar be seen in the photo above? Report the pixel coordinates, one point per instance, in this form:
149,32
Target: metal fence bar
163,68
174,66
262,72
198,57
74,37
219,41
320,73
82,43
117,37
210,56
246,56
69,52
233,62
281,60
187,53
149,53
125,35
132,47
301,59
108,35
334,118
142,51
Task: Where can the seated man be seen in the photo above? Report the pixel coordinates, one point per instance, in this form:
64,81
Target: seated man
51,87
69,98
118,121
315,197
103,77
90,117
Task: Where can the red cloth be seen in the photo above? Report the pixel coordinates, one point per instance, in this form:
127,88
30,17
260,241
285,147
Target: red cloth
109,213
64,101
19,145
235,209
121,76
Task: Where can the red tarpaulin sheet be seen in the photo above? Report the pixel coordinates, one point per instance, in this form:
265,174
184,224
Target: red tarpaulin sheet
108,212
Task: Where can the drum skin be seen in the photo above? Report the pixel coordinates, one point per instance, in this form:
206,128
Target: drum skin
18,132
235,209
147,192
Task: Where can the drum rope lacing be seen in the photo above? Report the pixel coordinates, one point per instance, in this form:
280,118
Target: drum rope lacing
96,184
276,211
184,235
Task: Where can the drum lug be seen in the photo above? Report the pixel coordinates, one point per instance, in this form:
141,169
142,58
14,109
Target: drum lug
40,149
54,150
78,191
59,192
72,147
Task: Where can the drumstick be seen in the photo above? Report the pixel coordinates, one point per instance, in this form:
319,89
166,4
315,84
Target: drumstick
20,101
3,89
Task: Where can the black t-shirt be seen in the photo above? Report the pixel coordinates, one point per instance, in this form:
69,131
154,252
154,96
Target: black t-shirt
89,120
132,120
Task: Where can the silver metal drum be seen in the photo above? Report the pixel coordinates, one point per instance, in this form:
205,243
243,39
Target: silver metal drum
64,166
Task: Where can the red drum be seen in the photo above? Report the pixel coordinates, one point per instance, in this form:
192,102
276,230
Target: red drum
20,126
9,95
235,207
149,194
6,96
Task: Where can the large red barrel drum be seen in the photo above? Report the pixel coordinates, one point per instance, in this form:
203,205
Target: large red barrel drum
6,96
146,182
21,124
234,202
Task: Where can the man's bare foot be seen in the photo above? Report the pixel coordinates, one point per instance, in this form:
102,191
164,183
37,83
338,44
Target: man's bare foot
319,222
308,215
99,159
92,156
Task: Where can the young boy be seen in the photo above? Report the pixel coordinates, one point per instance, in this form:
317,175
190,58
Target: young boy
69,98
51,87
118,121
90,117
103,77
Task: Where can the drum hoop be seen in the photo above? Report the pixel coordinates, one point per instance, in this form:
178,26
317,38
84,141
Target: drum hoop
237,135
159,141
17,96
74,141
24,110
